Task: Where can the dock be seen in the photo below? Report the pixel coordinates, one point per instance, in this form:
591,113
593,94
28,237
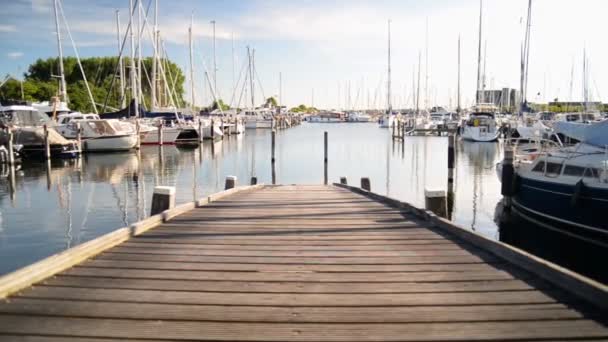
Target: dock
298,263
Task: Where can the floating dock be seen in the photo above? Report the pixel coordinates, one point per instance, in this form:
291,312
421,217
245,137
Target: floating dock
298,263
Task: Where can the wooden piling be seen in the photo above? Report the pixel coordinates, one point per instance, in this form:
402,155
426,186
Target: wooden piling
47,144
138,132
366,184
507,178
200,131
343,181
222,128
254,181
212,131
163,199
230,182
435,201
11,152
325,158
451,161
160,133
79,137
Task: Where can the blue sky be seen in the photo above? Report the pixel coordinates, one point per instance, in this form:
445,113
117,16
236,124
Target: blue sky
327,45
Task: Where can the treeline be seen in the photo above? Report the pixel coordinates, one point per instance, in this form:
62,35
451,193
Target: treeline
40,83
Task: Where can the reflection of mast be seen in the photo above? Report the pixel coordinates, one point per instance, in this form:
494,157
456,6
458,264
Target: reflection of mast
474,220
68,233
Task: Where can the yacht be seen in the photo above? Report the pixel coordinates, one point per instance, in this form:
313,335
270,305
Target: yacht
358,117
387,120
27,124
327,117
258,118
440,117
52,108
96,134
566,188
481,125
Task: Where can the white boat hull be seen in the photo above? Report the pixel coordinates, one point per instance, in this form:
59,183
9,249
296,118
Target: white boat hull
110,143
480,134
151,137
254,123
387,121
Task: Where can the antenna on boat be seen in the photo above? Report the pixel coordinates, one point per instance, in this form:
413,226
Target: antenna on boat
155,58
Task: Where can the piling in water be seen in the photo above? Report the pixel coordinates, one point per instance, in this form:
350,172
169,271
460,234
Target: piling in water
343,180
47,145
254,181
272,159
160,134
230,182
163,198
325,158
436,201
365,184
507,178
11,152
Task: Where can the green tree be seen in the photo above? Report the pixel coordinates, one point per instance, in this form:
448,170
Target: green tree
221,103
272,102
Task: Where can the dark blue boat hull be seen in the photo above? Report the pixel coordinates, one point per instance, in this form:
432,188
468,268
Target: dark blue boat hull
582,212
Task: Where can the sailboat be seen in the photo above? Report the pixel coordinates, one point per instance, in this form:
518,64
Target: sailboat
481,125
388,119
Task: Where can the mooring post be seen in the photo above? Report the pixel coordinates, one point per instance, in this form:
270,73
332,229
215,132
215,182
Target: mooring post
436,201
507,176
393,130
343,180
325,158
212,130
230,182
138,132
163,198
47,144
222,128
272,159
200,131
365,184
254,181
79,137
160,133
11,155
451,162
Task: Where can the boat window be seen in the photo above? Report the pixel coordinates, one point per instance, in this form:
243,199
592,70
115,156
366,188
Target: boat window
572,117
539,167
591,173
572,170
100,127
554,168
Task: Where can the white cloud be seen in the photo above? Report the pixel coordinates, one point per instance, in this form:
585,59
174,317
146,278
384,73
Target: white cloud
14,55
8,28
41,6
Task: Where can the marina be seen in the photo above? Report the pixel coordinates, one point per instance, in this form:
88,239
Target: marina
197,178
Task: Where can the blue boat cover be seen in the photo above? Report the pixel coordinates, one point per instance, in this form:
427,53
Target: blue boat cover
594,134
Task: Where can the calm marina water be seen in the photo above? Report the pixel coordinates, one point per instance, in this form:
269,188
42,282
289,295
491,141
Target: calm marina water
76,201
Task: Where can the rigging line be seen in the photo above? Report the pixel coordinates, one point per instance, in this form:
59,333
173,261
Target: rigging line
255,71
84,76
236,85
122,47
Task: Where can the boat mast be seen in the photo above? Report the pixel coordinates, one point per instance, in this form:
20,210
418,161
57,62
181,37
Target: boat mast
478,97
132,62
139,73
120,65
233,66
251,81
280,90
525,57
191,62
426,66
418,85
63,94
388,88
155,58
483,74
214,60
458,109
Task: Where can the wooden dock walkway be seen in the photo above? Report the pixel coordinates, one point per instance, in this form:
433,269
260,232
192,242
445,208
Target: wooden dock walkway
298,263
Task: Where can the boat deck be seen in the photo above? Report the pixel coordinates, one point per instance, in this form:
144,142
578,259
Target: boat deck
296,263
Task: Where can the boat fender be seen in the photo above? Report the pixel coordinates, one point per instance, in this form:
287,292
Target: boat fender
576,196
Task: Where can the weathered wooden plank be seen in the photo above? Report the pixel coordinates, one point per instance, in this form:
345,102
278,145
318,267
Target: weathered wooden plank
289,287
453,259
279,314
327,254
290,299
278,241
190,266
299,248
306,276
185,330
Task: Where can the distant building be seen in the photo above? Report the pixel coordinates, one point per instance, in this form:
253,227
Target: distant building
505,98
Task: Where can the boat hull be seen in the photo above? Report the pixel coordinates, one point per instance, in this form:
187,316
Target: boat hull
567,208
254,124
479,135
110,143
170,134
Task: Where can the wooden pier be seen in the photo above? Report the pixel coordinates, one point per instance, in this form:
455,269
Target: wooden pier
298,263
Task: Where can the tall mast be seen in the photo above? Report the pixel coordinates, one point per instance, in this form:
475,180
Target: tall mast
426,66
458,89
63,94
214,60
527,49
250,56
585,85
418,85
483,74
280,89
233,66
155,58
478,95
388,87
191,62
132,62
139,73
120,65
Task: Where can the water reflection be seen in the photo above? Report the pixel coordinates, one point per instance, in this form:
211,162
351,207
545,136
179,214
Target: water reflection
63,203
